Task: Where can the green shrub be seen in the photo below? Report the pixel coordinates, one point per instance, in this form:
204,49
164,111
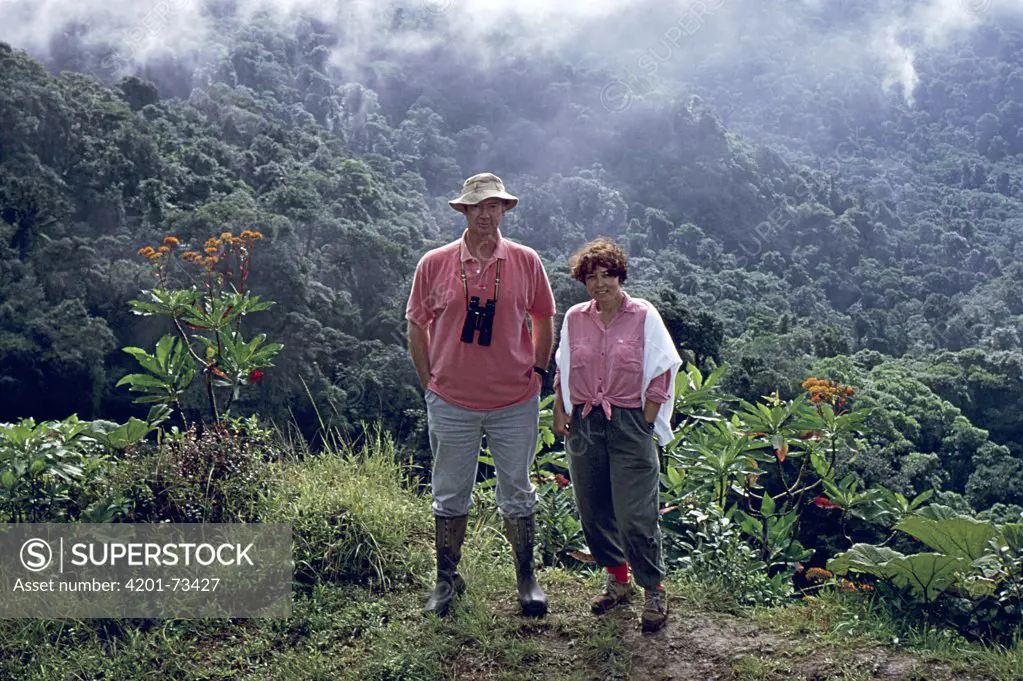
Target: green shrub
54,471
216,476
701,541
972,576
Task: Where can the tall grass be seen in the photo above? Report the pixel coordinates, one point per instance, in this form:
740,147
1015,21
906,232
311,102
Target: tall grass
353,515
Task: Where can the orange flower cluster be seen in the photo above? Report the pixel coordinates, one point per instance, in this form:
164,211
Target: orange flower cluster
198,259
150,253
847,587
816,575
830,392
219,249
216,250
227,239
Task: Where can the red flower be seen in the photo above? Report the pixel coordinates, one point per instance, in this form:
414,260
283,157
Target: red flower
562,481
824,502
256,376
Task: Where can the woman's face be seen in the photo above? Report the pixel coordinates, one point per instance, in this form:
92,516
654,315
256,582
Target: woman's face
601,286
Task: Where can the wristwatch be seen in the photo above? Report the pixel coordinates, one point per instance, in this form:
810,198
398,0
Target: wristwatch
543,372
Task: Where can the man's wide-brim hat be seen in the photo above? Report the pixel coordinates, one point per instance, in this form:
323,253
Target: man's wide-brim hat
480,188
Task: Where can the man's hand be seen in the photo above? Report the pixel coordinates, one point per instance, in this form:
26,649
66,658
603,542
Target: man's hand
418,345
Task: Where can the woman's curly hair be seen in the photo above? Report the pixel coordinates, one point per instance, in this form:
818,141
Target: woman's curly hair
601,252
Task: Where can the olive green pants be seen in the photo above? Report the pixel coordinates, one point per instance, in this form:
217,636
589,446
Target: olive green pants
615,476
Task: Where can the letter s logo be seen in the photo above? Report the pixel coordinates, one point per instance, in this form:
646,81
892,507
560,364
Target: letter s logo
36,555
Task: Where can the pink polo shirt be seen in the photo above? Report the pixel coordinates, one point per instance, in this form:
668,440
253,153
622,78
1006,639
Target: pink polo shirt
607,361
470,375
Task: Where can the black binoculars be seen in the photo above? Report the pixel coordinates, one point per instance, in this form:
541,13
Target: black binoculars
479,318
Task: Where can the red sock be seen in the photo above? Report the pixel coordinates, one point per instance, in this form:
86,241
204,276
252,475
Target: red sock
621,572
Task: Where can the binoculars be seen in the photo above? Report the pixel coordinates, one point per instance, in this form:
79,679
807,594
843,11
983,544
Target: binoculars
479,318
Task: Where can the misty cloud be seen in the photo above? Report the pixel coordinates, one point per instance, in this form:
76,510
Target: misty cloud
928,25
631,39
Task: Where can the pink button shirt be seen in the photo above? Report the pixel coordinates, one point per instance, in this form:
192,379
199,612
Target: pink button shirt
607,362
472,376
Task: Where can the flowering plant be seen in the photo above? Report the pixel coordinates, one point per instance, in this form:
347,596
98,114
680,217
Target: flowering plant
207,320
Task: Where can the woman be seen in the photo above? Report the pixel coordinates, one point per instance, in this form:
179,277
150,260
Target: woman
615,391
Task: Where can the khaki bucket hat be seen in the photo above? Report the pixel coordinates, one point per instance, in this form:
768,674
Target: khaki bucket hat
479,188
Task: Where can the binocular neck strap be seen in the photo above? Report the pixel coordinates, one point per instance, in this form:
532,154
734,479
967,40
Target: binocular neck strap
465,285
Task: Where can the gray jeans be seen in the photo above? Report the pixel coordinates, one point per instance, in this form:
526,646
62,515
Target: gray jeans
455,437
616,475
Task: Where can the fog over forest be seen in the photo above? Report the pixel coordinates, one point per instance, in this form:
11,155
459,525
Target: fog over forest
676,41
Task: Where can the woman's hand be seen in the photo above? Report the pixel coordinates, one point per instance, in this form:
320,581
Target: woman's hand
650,410
561,419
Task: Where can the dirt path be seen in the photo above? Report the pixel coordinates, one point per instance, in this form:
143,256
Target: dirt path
718,646
693,646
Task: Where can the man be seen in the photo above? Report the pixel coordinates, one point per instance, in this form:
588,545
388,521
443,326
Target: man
482,371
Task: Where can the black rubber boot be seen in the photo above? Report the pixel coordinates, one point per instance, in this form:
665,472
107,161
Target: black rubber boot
450,533
521,534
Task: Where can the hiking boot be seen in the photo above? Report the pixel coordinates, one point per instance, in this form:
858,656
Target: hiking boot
615,593
450,533
521,534
655,610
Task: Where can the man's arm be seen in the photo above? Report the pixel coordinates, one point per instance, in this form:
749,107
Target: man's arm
418,345
543,341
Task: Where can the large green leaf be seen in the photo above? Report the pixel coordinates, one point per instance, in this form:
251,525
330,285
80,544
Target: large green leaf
960,537
125,435
865,558
926,575
938,512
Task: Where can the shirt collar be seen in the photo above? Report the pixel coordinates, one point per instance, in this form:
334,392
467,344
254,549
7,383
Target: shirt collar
628,305
500,251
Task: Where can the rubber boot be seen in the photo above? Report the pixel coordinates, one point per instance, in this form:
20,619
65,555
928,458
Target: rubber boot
450,533
521,534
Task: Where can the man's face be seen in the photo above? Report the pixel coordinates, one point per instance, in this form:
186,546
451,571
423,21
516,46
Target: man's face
485,217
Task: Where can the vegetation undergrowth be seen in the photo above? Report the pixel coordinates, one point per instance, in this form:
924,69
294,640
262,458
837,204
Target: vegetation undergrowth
363,538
